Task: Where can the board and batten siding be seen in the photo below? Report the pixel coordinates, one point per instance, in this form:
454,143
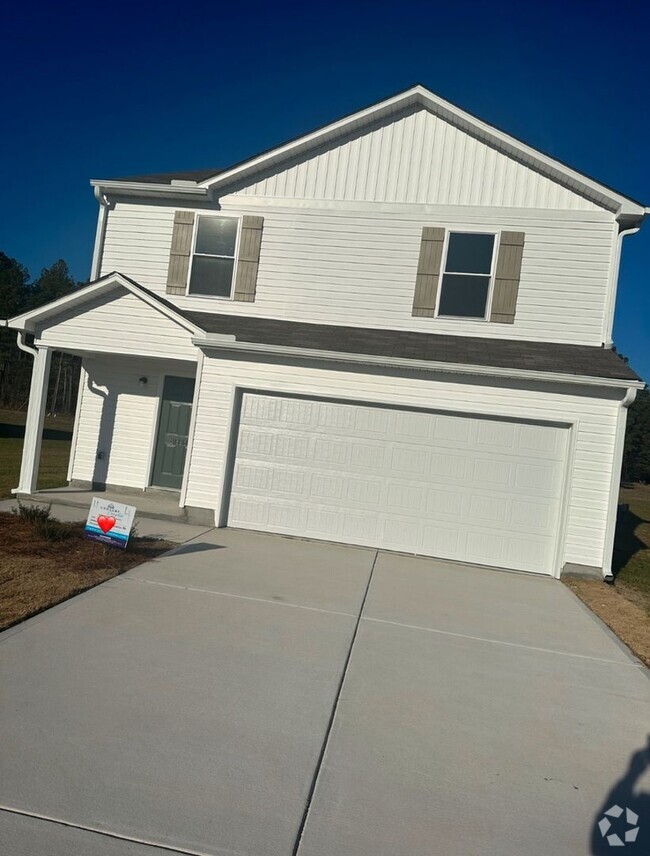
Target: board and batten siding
117,418
118,323
338,264
417,158
595,418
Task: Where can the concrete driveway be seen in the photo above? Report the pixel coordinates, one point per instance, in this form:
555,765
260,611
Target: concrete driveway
253,694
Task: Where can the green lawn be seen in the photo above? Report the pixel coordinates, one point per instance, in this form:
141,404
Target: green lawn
54,455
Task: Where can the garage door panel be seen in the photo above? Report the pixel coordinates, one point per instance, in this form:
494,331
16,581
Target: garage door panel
360,528
454,486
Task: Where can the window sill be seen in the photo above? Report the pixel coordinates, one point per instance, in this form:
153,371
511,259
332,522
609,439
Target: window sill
461,318
230,297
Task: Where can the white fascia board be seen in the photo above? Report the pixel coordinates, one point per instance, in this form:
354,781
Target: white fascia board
622,205
22,321
143,188
335,129
215,342
26,320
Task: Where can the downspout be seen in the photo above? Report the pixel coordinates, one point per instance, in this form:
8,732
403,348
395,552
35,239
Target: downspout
619,442
100,235
20,341
613,283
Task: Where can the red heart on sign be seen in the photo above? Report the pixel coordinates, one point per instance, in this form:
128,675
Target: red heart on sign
105,523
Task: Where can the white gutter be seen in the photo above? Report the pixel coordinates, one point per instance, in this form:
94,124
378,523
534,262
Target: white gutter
144,188
216,342
613,282
619,443
20,341
100,234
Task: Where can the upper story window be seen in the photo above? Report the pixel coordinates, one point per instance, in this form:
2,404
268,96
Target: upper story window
467,275
213,259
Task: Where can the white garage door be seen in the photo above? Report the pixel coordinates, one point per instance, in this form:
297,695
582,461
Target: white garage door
478,490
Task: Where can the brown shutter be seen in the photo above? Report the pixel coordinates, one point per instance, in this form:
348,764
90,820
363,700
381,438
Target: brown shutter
179,258
428,275
248,259
506,283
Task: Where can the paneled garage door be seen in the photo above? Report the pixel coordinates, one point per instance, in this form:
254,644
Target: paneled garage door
478,490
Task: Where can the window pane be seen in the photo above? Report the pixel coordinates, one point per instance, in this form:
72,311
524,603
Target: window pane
469,253
211,276
217,236
464,295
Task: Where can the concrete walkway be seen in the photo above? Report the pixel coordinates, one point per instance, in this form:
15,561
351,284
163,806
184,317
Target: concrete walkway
167,529
253,694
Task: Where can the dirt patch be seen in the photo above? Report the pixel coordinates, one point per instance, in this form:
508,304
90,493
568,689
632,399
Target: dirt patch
36,573
628,619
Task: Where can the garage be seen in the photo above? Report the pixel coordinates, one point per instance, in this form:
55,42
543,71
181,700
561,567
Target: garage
468,488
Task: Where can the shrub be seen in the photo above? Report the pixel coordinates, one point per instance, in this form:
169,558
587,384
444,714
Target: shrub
33,513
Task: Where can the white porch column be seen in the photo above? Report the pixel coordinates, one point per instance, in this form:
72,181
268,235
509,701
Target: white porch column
34,423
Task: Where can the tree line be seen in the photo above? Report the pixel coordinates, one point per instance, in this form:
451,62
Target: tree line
636,456
20,293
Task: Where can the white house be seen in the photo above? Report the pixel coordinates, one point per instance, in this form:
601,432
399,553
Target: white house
394,331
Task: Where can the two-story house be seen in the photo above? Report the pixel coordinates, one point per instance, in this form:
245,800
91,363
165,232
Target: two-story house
395,331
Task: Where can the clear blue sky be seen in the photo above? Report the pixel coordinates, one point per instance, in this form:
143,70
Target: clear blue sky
100,90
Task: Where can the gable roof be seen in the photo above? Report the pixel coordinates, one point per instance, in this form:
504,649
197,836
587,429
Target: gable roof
209,182
27,320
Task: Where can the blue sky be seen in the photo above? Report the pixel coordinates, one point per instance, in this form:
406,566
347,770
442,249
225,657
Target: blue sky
102,90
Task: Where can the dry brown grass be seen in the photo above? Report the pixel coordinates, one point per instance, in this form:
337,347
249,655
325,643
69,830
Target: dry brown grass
625,606
36,573
627,619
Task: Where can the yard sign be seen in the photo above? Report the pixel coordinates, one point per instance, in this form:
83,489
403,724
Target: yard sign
110,522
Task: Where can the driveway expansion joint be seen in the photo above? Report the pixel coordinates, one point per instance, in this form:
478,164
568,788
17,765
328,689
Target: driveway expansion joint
144,842
636,665
230,594
335,705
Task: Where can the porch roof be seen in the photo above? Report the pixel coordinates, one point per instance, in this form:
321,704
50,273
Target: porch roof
577,360
28,321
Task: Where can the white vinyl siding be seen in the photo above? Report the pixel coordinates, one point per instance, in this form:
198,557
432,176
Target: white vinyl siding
595,426
118,323
341,265
117,418
419,158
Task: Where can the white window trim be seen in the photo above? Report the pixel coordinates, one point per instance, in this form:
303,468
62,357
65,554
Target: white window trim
221,216
443,264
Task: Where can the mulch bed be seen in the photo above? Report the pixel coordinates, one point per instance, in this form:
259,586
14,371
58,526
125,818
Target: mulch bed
36,573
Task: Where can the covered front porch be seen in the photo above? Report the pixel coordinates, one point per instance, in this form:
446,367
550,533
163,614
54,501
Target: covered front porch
137,398
153,503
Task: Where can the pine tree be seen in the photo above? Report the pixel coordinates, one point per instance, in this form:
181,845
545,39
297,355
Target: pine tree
636,455
54,282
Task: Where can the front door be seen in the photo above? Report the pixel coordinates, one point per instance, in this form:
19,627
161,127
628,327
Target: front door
173,431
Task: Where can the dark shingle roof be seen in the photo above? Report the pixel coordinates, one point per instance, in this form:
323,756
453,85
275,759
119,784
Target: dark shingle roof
168,177
583,360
